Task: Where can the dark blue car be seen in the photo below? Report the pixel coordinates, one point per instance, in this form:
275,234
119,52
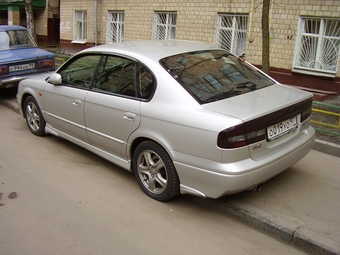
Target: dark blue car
20,56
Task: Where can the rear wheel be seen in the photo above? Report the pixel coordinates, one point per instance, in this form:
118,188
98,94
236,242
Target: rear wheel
155,172
34,118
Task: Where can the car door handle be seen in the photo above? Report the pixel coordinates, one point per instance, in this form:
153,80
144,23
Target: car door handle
129,116
76,102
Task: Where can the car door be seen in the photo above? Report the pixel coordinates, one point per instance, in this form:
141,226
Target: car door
112,108
64,103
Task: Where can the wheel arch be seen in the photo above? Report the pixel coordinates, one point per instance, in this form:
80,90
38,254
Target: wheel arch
22,103
36,95
139,140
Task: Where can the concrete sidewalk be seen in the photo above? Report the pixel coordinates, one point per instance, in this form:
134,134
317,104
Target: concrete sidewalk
300,206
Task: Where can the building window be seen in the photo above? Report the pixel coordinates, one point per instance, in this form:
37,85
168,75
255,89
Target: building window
231,32
80,26
164,25
317,46
115,27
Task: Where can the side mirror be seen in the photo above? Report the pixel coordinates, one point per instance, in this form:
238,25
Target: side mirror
55,79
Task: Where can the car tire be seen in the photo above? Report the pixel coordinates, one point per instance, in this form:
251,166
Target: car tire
155,171
34,119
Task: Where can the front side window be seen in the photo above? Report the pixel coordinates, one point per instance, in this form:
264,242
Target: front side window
231,32
80,72
80,25
317,46
164,26
214,75
115,27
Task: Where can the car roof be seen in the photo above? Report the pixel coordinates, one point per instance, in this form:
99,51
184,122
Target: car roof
8,28
151,49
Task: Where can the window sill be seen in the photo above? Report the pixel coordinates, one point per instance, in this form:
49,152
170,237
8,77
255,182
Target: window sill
79,41
314,73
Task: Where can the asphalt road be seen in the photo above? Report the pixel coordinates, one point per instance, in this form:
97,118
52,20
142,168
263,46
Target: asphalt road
299,207
56,198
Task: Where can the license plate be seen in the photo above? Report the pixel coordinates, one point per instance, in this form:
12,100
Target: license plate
21,67
282,128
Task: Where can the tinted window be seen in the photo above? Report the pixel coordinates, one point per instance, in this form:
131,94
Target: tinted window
116,75
124,76
214,75
79,73
146,83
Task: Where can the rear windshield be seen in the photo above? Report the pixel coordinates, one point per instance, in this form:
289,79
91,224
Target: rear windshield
15,39
214,75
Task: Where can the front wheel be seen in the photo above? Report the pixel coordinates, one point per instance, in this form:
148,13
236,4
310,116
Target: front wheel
155,172
34,118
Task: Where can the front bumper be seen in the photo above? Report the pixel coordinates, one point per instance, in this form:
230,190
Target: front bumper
216,179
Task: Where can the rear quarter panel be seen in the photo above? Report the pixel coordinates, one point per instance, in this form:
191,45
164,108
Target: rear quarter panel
174,119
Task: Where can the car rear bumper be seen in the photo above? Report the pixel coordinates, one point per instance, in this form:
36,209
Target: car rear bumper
215,179
10,82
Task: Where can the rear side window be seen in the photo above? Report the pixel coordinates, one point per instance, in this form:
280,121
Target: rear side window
214,75
123,76
146,82
116,75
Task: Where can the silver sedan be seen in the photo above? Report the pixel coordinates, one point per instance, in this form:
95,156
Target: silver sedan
184,117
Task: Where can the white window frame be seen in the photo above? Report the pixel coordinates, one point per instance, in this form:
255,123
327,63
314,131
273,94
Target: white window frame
115,26
164,25
231,32
317,46
80,27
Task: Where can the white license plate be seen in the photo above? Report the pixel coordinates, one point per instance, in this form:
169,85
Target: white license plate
21,67
282,128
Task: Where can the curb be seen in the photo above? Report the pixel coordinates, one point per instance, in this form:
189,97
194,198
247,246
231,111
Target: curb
285,230
327,147
9,104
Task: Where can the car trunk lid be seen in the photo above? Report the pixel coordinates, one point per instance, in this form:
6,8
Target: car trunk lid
258,103
276,112
15,55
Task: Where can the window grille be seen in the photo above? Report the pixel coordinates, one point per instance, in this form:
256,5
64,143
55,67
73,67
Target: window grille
115,27
231,32
80,25
317,46
164,25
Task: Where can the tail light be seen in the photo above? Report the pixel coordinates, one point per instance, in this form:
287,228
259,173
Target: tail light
255,130
46,63
239,136
3,69
306,112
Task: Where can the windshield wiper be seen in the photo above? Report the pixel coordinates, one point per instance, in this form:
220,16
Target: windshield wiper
222,95
175,71
247,84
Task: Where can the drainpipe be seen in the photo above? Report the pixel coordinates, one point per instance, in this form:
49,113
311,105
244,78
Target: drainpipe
250,39
95,21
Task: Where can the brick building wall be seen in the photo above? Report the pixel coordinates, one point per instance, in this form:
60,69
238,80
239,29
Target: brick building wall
14,16
196,20
284,23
